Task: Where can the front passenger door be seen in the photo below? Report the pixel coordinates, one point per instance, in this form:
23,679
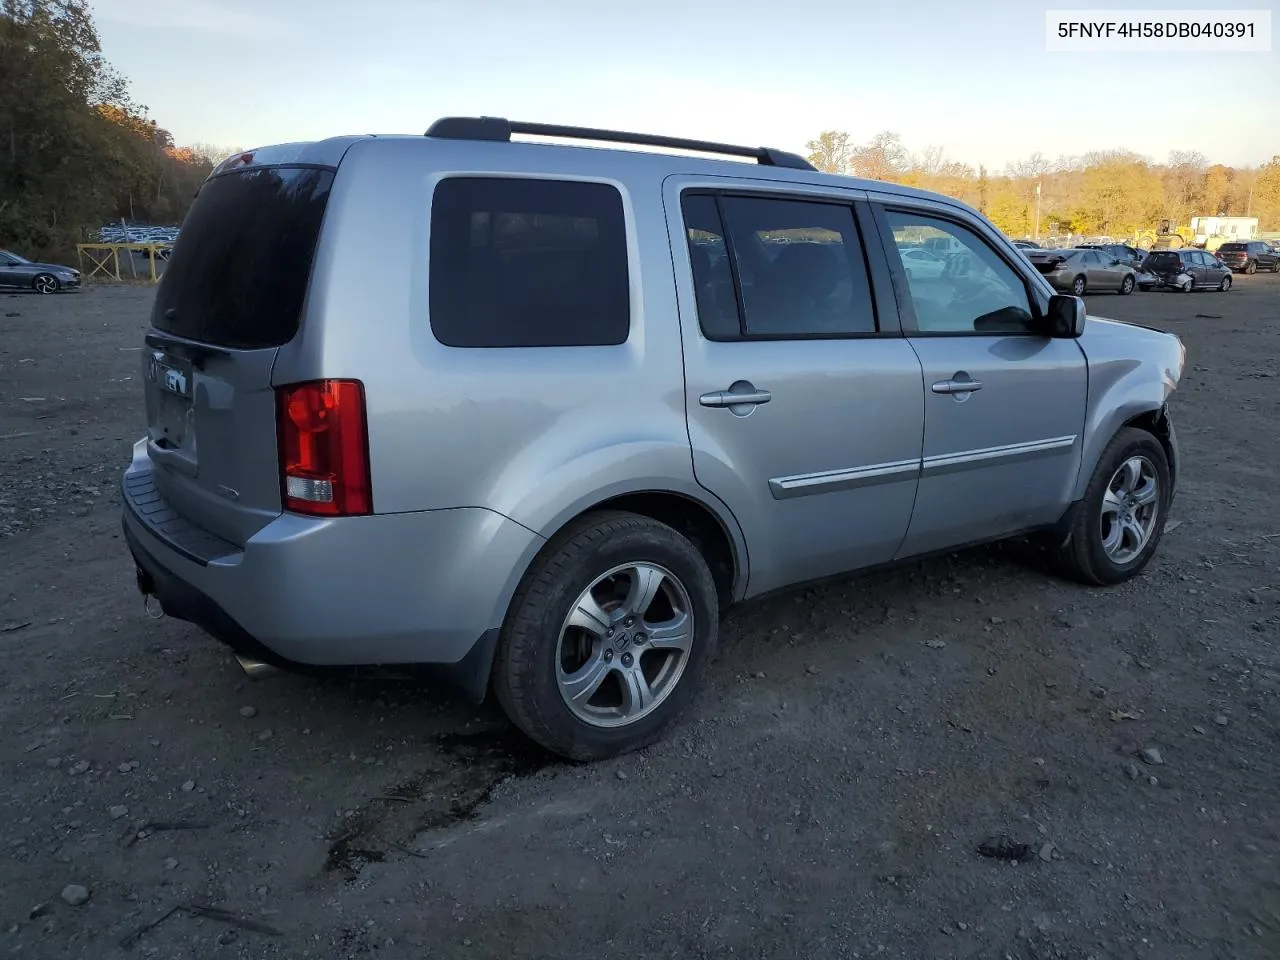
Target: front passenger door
1004,405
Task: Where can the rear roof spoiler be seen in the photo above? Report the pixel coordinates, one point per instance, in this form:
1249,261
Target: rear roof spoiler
497,129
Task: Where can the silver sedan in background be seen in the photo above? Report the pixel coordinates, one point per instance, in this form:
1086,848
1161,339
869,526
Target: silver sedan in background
1077,271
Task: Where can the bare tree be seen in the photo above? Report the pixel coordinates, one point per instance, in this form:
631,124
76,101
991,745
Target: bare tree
931,160
882,159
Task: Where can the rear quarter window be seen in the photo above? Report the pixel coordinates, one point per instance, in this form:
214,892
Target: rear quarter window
239,272
522,262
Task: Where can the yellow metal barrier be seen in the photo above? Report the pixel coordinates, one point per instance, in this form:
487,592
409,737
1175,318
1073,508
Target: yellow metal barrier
103,260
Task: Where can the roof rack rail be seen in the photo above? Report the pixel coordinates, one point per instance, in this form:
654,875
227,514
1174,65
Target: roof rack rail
499,129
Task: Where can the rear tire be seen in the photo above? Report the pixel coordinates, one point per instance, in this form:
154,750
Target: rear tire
1275,267
1251,267
593,565
1092,553
1078,287
1126,285
45,283
1188,287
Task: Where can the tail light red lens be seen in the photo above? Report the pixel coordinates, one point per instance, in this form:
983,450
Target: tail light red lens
324,448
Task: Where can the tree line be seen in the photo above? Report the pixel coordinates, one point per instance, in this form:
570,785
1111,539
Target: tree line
75,150
1111,192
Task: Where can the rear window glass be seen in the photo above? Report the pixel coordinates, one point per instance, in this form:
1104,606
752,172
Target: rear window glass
1233,247
1164,259
518,262
239,271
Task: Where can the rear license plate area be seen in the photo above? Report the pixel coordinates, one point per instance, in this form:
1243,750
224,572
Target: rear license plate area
171,378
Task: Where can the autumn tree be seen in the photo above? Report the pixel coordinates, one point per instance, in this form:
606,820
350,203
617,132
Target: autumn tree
74,149
831,151
1113,191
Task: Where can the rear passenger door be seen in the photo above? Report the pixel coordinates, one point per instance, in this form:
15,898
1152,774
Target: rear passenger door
804,402
1004,405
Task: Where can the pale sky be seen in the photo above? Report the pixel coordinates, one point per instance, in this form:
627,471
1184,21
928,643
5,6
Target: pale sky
973,76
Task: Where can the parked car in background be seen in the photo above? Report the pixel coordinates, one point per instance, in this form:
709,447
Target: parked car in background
1185,270
21,273
1249,256
667,431
920,263
1120,251
1025,244
1079,271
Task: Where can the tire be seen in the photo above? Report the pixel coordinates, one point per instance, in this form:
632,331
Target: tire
1251,267
1078,287
45,283
1086,556
540,651
1190,286
1225,284
1275,267
1127,285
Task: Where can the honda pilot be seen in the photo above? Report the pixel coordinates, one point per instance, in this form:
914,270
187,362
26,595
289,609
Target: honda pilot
535,415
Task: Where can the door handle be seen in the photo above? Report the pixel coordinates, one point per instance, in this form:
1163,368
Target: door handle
957,386
727,398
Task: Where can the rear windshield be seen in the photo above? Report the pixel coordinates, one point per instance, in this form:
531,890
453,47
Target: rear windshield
239,271
1233,247
1164,260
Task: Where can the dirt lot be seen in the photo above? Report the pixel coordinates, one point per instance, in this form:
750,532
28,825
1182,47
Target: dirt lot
855,745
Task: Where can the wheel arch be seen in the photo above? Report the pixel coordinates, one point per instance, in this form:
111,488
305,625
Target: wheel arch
695,513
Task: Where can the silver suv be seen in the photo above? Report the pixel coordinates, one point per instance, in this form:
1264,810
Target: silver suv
535,414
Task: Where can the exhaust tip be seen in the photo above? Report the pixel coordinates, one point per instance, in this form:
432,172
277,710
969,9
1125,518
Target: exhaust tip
255,668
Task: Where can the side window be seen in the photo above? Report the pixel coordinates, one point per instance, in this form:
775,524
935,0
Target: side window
974,292
798,267
712,275
519,262
1198,259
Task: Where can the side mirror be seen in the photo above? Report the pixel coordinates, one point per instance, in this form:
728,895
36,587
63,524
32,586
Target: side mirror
1065,317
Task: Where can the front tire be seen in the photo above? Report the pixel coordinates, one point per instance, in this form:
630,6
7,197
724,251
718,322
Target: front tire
1120,520
1225,285
1077,287
608,636
1126,285
45,283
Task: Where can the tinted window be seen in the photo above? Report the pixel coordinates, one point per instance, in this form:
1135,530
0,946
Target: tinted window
712,276
799,268
975,291
1232,248
1163,260
238,274
528,263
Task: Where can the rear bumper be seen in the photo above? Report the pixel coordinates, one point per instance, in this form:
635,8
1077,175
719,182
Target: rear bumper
399,590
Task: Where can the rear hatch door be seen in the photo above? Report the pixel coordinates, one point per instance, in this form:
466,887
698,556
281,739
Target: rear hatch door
1232,253
1164,263
232,294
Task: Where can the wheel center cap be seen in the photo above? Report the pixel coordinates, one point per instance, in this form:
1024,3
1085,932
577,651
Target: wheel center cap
621,641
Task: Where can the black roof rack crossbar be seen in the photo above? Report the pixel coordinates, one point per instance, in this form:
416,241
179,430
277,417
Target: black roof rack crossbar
499,129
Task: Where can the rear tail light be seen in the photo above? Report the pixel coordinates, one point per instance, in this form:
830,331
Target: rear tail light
324,449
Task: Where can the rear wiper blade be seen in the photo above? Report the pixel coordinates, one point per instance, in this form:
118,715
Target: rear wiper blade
193,350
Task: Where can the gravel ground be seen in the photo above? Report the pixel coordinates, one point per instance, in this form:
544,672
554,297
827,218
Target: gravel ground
855,745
